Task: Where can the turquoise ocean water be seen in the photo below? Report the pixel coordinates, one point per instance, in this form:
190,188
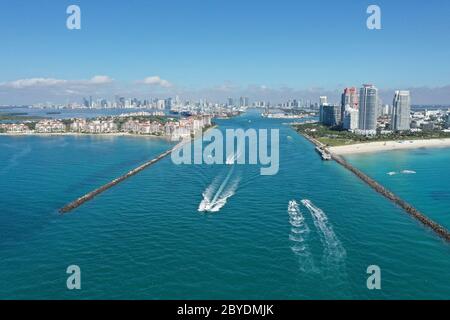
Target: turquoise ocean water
146,239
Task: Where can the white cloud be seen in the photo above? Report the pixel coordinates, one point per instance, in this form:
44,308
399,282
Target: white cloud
100,80
51,82
156,81
33,82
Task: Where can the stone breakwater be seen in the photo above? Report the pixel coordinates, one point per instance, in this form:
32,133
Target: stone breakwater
89,196
438,229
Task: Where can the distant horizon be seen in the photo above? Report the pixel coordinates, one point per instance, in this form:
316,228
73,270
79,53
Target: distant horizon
269,50
274,96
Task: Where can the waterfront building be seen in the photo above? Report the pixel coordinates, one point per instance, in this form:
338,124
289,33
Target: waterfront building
323,101
95,126
101,126
50,126
146,127
368,109
331,115
15,128
349,98
351,119
78,125
401,111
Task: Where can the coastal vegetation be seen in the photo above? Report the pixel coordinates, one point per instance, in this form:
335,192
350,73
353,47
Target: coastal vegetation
19,116
141,118
334,137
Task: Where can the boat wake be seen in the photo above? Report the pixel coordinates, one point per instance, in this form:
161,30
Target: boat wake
393,173
299,237
334,253
232,158
218,192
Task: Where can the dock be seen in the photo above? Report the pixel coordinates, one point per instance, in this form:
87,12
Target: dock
324,154
411,210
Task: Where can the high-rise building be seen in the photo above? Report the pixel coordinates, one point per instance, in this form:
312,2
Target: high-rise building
351,119
160,104
323,101
368,109
401,110
331,115
385,110
349,99
85,102
244,102
168,103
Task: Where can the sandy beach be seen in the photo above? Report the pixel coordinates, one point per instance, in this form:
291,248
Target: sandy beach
389,146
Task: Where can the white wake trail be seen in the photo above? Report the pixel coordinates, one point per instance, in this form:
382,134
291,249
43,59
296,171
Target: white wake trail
334,252
299,237
215,198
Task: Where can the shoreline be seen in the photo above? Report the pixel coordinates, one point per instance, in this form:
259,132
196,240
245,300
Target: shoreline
112,134
408,208
381,146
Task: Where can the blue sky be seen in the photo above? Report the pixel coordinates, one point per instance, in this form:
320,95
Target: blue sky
217,48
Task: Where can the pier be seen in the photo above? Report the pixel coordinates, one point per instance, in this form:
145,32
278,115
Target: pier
416,214
89,196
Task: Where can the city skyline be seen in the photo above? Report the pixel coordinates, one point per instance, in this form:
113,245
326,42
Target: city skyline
263,50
